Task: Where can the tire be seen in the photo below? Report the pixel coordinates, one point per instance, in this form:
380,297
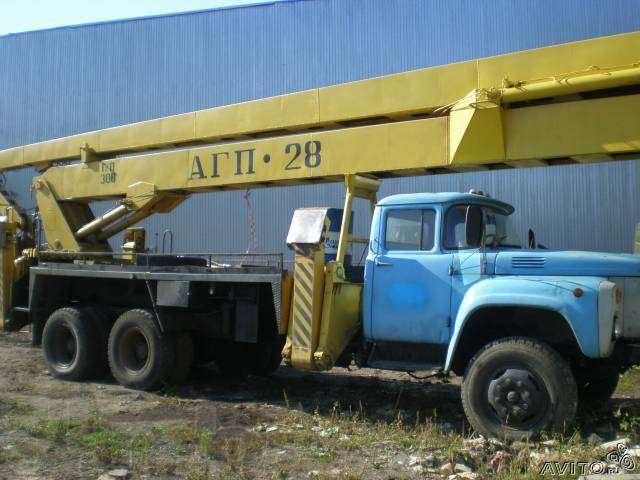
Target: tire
74,344
515,388
184,355
596,383
140,355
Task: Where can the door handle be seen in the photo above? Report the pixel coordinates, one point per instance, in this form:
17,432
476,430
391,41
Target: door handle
383,264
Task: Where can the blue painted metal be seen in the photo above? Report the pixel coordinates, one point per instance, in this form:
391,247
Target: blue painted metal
407,292
446,197
542,262
547,293
433,294
64,81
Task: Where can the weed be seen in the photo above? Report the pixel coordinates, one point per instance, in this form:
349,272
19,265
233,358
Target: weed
189,437
55,431
628,422
108,446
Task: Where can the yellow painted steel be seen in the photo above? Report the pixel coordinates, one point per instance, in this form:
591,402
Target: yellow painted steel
308,291
585,127
326,306
10,270
357,186
593,78
340,316
341,302
605,126
8,254
559,69
285,160
477,132
286,296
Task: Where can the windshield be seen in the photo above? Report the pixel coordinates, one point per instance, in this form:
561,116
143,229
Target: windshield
498,229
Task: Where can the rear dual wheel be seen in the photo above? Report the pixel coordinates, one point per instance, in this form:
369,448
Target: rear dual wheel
143,357
74,342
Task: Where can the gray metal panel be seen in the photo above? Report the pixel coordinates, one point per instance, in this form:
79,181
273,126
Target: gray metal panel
64,81
307,226
173,293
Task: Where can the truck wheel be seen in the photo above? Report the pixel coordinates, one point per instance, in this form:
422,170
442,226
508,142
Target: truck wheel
515,388
596,383
140,355
73,344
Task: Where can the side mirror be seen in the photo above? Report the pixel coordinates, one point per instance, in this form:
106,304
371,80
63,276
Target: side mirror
532,239
473,223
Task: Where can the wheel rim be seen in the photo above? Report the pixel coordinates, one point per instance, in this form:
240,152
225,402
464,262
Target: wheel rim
518,398
64,346
134,351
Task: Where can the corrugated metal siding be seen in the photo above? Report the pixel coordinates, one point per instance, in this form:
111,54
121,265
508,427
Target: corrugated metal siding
64,81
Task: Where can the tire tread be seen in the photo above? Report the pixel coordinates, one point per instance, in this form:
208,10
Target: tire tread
547,355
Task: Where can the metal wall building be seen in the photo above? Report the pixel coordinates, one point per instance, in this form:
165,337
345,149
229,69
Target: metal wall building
68,80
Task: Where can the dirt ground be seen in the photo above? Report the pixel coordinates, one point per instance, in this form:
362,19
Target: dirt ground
340,424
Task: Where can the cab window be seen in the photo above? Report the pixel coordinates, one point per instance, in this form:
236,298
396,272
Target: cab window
455,228
497,229
410,229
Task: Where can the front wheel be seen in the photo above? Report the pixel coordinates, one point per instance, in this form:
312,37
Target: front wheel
515,388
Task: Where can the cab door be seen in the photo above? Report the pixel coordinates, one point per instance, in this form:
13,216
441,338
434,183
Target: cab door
411,286
471,262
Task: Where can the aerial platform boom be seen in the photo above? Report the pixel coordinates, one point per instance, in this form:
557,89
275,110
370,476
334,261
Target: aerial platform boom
577,102
559,70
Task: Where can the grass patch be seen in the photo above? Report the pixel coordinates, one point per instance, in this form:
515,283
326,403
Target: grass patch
10,406
93,435
629,384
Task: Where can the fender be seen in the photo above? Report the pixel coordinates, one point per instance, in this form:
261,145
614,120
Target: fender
548,293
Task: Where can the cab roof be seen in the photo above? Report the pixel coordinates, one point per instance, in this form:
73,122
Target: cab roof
446,197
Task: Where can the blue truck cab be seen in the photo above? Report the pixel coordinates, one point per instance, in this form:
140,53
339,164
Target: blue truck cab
449,285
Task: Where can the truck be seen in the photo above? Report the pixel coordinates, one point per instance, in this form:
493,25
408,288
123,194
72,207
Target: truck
446,285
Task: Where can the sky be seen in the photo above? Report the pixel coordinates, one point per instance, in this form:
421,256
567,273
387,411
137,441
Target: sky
24,15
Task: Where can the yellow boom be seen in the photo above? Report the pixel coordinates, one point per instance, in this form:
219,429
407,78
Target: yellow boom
576,102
